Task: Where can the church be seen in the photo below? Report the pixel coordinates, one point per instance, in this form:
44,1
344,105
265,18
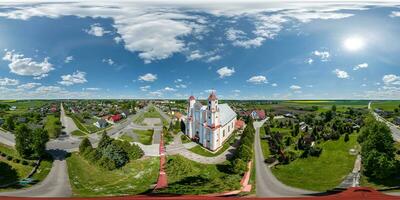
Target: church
211,124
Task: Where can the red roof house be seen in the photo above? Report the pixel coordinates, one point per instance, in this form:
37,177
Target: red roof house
239,124
115,118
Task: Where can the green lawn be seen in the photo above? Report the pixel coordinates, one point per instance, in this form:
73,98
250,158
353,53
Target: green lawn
320,173
89,180
145,136
283,131
79,124
185,139
201,151
12,171
189,177
150,113
78,133
53,126
126,138
264,144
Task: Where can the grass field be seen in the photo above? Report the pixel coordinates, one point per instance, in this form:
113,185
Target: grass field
189,177
320,173
53,126
78,133
11,171
145,136
150,113
386,105
201,151
126,138
264,144
89,180
79,124
185,139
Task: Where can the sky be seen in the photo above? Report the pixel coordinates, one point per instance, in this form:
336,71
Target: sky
174,49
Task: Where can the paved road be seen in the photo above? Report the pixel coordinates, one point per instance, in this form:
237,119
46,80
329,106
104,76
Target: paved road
56,183
393,128
267,184
67,122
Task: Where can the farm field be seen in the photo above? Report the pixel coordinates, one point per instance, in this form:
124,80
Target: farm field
386,105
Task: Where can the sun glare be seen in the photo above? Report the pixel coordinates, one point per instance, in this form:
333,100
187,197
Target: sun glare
354,43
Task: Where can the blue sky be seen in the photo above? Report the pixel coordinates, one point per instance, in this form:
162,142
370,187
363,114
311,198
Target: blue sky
258,50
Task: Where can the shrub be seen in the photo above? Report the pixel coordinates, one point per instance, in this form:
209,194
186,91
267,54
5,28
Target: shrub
106,163
238,166
3,154
16,160
33,164
346,137
9,157
244,153
179,167
85,144
24,162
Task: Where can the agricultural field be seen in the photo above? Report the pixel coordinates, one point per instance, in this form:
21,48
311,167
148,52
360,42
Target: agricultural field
89,180
385,105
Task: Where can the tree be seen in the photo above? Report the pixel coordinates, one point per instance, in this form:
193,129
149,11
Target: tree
38,145
328,116
84,145
334,108
346,137
9,123
116,154
238,166
23,141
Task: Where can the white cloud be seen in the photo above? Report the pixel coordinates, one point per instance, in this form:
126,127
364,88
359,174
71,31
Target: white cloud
178,80
49,89
236,91
225,72
21,65
295,87
310,61
68,59
8,81
181,86
240,39
361,66
148,77
156,31
96,30
341,74
274,84
395,14
145,88
391,79
257,79
28,86
156,93
213,58
41,77
77,77
91,89
168,89
323,55
109,61
118,39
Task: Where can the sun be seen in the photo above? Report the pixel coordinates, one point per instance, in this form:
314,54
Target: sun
354,43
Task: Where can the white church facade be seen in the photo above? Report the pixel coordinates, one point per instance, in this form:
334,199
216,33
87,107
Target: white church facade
210,125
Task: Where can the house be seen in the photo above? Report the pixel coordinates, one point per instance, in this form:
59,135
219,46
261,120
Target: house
239,124
101,123
178,116
12,108
258,114
125,113
115,118
397,121
289,115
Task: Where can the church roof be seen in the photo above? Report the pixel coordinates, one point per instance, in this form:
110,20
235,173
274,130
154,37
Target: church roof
212,96
191,98
226,113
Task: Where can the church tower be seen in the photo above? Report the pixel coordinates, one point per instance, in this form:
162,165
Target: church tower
190,117
213,122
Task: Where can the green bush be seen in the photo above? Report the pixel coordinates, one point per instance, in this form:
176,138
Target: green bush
179,167
107,163
16,160
85,144
3,154
238,166
24,162
9,157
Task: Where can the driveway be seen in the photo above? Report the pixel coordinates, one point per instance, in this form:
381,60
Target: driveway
267,185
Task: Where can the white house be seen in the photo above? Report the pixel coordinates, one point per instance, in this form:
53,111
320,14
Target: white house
209,125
